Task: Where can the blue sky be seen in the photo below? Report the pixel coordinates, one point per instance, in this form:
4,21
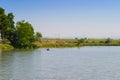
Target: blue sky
68,18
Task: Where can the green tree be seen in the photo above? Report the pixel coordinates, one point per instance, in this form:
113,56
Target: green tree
14,39
38,36
3,23
78,42
108,40
82,40
23,36
6,24
11,27
10,17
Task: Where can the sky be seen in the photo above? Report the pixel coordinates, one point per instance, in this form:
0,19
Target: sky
68,18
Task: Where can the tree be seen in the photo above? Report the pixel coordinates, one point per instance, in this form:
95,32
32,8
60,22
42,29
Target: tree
6,24
38,36
108,40
82,40
10,17
11,27
14,39
23,36
3,23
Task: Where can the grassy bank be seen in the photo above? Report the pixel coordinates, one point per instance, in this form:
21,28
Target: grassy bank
58,43
6,47
75,43
53,44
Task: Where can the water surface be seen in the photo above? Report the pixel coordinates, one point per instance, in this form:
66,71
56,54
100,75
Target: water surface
86,63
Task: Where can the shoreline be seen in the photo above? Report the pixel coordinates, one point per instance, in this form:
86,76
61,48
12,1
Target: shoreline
65,43
59,43
6,47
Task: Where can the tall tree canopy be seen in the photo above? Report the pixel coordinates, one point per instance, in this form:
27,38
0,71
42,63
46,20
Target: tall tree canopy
3,22
6,24
24,35
11,27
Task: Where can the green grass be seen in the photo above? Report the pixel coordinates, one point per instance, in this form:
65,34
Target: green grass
58,43
6,47
74,43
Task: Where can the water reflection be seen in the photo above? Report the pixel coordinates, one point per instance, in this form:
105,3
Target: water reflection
6,63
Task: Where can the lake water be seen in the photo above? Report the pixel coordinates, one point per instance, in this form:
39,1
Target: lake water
86,63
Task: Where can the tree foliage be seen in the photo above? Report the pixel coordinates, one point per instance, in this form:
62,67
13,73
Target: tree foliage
108,40
21,35
6,24
3,23
11,26
38,36
82,40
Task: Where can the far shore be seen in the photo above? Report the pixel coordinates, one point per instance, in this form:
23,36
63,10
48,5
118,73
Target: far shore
56,43
61,43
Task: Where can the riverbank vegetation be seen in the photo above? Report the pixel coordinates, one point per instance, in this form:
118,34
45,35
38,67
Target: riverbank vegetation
6,47
77,42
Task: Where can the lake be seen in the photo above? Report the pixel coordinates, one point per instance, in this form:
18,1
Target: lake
85,63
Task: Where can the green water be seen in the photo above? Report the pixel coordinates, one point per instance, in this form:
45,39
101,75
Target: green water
86,63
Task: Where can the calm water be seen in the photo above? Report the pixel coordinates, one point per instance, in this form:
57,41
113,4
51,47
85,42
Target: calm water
87,63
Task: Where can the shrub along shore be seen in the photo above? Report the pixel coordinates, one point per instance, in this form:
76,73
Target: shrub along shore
6,47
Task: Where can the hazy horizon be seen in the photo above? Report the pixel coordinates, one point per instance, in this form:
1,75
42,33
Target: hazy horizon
69,18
